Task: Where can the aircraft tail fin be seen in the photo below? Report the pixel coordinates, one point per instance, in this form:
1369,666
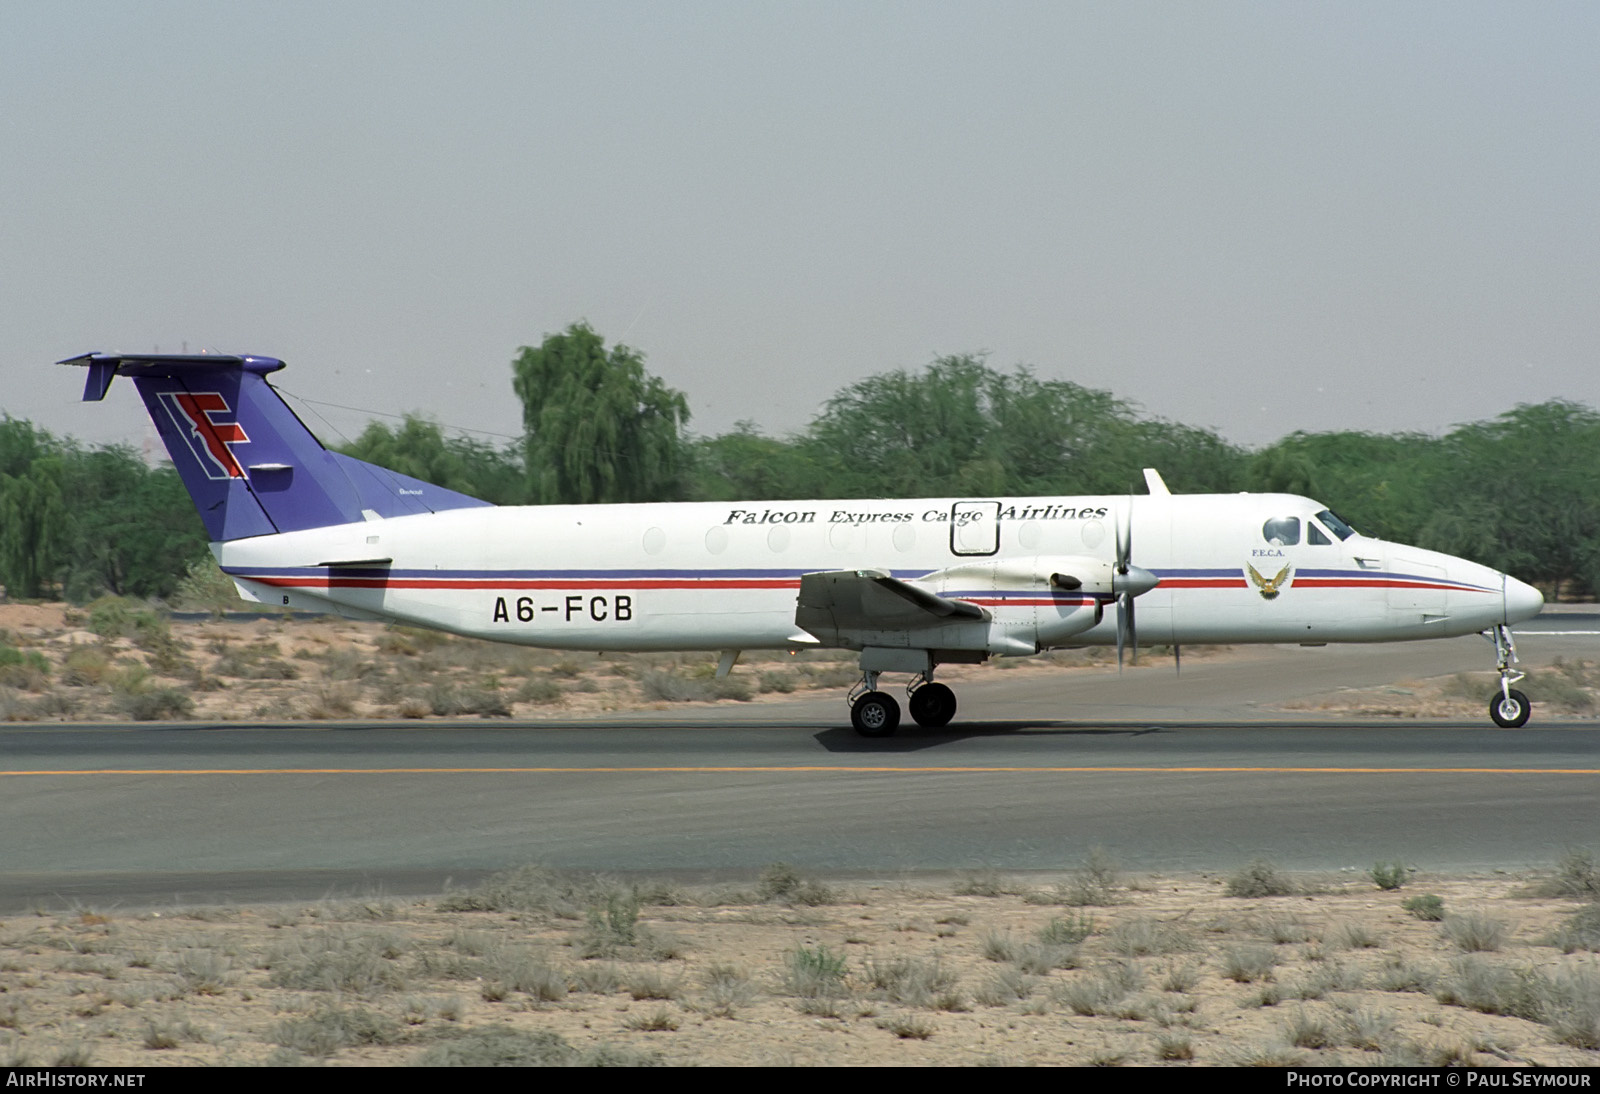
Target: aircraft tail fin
250,464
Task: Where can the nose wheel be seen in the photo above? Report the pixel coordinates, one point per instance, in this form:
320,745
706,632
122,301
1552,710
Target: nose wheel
1510,709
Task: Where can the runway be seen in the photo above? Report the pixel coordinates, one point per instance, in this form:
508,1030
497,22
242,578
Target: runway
1167,773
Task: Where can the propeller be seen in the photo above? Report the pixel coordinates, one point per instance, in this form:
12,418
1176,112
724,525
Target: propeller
1128,581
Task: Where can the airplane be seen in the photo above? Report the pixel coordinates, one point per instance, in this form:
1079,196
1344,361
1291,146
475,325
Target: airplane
909,584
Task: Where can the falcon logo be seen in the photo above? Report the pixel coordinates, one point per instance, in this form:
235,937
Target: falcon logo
195,414
1269,589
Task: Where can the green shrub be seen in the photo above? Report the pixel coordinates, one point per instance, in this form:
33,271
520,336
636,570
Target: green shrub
1580,931
1556,689
85,666
1428,907
25,669
1099,992
912,981
449,701
1066,930
539,690
1142,936
1577,875
781,881
501,1047
1248,963
780,682
1476,932
1389,876
815,972
1260,878
156,705
328,1029
613,927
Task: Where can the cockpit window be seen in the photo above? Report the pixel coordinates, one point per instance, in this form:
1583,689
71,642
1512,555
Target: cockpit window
1315,535
1335,525
1282,531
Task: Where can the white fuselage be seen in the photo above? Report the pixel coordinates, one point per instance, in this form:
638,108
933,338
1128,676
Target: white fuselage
725,575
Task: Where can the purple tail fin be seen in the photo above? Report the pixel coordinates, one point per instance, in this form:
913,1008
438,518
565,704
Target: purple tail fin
250,464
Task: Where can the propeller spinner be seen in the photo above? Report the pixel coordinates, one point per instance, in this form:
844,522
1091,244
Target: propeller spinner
1128,581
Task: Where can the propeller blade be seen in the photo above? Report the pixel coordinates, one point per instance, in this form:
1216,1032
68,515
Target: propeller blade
1133,633
1122,627
1127,535
1177,659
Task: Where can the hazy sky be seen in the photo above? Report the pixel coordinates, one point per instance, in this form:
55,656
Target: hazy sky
1256,217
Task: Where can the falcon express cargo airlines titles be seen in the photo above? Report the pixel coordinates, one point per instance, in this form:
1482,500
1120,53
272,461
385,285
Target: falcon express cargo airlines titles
909,584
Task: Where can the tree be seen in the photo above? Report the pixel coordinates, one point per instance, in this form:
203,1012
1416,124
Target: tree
1527,482
89,522
960,427
133,530
598,428
745,465
911,434
419,448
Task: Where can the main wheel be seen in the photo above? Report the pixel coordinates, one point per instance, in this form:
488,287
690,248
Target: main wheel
1510,710
875,714
933,705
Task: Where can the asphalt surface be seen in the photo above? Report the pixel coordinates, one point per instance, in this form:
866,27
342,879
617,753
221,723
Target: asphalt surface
1190,772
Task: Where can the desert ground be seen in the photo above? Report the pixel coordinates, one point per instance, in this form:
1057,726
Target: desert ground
117,660
536,967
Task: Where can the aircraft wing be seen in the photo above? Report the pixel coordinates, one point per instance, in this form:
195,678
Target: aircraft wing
870,599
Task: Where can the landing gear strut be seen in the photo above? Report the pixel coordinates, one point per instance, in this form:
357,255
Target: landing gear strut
1509,709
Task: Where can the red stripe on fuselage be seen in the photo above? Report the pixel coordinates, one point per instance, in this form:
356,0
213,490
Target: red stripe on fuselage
517,583
1376,583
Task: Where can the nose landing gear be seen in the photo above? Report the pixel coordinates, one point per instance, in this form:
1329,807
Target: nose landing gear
1510,709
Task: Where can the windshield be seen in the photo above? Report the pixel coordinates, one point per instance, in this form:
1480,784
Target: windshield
1335,525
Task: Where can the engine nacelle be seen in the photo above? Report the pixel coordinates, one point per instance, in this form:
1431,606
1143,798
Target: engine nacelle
1040,601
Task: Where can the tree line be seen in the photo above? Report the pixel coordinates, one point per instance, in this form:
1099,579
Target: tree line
1520,492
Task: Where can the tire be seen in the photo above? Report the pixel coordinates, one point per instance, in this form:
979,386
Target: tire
933,705
1510,711
875,714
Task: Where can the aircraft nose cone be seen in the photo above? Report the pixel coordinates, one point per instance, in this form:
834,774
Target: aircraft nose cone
1523,601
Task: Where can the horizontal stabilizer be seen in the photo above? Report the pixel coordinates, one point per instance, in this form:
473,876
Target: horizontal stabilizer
248,461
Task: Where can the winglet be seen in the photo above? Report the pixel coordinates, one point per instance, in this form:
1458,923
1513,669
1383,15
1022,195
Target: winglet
1154,483
101,373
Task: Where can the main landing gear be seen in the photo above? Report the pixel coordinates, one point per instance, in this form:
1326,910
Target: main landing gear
1510,708
876,713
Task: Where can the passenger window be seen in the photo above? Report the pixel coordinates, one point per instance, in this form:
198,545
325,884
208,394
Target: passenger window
1315,536
1282,531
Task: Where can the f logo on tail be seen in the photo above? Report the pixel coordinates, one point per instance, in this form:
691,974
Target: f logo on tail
193,413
